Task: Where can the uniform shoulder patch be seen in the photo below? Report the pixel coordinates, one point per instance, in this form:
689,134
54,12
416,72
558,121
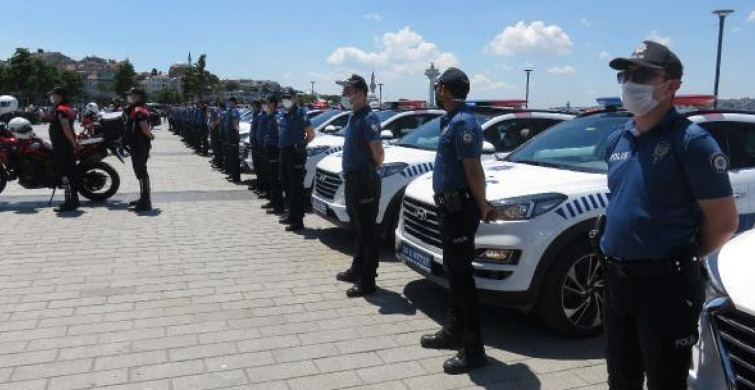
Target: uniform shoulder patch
719,162
467,137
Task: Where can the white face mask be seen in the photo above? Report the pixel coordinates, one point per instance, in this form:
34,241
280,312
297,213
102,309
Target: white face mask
52,99
130,99
288,103
639,99
346,103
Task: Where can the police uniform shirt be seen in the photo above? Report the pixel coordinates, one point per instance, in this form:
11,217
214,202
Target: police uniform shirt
232,115
271,129
655,180
292,125
213,115
261,128
460,138
362,128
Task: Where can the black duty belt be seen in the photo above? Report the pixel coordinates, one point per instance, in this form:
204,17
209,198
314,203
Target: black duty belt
646,267
359,173
451,196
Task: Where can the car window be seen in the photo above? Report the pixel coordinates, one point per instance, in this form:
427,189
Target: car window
402,126
320,119
507,135
737,140
537,125
338,124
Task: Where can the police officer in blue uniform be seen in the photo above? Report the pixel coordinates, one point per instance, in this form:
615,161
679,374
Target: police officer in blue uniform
362,157
459,186
232,130
671,205
204,129
295,133
263,182
256,108
272,156
215,142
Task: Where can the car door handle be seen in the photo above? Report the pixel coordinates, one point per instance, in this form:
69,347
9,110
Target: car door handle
739,195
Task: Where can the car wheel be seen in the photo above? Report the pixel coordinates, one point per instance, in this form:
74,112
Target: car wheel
572,295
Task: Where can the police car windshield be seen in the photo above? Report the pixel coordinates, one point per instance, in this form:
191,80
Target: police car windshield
427,135
382,117
578,144
321,118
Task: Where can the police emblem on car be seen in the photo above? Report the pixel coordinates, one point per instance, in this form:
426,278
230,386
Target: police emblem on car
661,151
719,162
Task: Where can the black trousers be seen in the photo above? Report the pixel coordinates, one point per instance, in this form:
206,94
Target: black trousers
260,167
650,327
233,160
457,231
139,156
65,161
292,160
204,145
272,154
362,190
217,147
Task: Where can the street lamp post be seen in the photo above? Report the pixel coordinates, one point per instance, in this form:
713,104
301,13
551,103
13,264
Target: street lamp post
380,99
527,91
313,88
722,13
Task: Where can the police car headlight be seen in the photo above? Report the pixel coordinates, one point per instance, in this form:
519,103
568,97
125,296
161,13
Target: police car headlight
392,168
313,151
527,207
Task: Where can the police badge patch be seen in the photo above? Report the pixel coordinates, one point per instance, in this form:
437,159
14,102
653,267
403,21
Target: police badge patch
375,128
719,162
467,138
661,151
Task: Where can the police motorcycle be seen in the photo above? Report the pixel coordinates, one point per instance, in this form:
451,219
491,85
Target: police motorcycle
29,159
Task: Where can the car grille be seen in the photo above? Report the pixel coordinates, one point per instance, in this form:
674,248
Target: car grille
326,183
421,222
245,151
736,333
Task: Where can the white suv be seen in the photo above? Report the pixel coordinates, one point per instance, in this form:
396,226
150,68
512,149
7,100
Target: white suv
393,124
414,155
724,358
550,191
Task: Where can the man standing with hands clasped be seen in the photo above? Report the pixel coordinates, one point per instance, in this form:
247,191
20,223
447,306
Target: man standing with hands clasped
362,157
671,205
459,185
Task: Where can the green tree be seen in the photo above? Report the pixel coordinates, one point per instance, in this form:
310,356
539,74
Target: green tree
168,96
198,82
124,77
43,78
231,86
72,82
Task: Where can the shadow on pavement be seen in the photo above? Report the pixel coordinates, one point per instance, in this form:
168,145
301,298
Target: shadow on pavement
155,212
31,207
341,240
506,329
390,302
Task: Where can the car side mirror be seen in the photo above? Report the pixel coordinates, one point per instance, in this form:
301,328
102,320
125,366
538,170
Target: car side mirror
386,134
488,148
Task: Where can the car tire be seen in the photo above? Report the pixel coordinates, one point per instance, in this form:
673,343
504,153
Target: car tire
571,301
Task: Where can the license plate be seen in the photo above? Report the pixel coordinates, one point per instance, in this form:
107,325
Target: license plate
416,257
319,207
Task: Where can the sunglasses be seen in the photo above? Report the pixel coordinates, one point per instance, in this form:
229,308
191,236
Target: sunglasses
638,76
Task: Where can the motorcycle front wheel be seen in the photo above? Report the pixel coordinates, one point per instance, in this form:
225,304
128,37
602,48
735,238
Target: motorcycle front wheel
98,181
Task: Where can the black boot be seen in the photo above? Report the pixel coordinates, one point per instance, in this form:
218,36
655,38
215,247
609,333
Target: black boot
141,195
361,289
347,276
145,201
466,360
442,339
71,202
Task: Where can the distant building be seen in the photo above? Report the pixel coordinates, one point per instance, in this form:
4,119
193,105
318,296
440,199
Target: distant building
154,84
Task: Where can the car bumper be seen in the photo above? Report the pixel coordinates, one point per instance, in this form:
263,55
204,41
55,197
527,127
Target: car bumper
332,210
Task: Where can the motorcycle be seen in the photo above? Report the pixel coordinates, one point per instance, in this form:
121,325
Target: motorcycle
30,161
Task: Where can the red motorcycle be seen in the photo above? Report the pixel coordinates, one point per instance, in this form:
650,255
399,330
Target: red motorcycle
30,160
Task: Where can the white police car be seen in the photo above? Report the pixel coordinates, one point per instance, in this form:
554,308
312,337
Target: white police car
549,193
414,155
724,357
394,125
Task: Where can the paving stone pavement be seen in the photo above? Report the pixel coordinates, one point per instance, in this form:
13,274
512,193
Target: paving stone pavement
208,292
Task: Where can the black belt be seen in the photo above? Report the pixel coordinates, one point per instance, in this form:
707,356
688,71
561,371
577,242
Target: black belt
447,196
643,267
359,172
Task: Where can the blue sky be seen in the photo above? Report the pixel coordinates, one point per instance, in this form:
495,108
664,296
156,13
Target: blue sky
567,43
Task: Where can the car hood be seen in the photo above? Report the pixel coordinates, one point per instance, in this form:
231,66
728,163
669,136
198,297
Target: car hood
326,140
331,163
244,128
736,271
506,180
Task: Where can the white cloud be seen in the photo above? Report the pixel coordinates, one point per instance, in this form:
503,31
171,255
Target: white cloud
751,16
402,52
480,83
562,70
372,16
533,38
584,22
656,36
604,55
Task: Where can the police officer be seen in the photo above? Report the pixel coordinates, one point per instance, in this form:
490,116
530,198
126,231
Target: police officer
256,108
64,143
233,161
459,186
217,138
260,166
139,138
204,129
362,157
271,156
295,133
671,205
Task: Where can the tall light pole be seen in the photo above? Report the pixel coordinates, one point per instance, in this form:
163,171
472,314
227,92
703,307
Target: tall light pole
380,85
313,88
527,92
722,13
